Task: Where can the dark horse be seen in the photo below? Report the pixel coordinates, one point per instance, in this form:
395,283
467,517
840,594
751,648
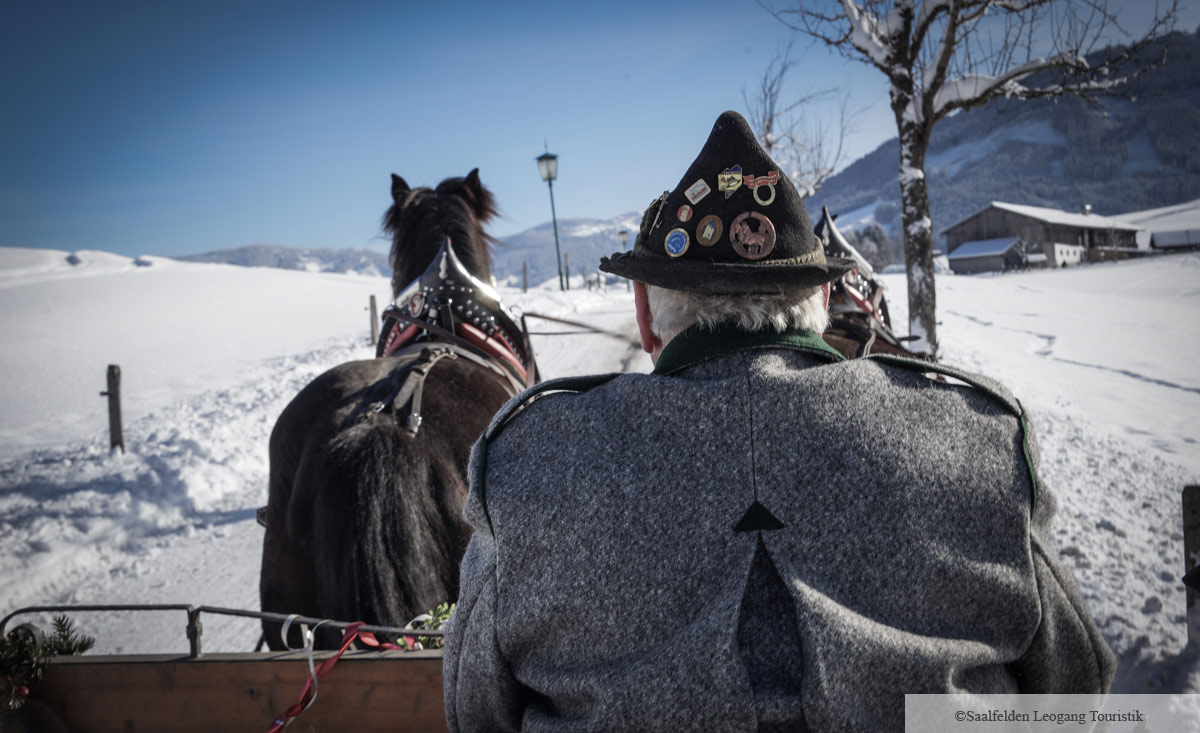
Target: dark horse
368,462
859,322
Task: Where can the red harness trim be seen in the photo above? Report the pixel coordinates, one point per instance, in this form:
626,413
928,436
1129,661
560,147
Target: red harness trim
861,301
496,348
397,338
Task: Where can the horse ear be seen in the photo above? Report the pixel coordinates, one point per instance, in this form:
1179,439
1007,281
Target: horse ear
472,184
399,188
480,198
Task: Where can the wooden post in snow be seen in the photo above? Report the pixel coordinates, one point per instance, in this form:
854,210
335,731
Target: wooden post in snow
524,276
116,435
374,322
1191,556
567,268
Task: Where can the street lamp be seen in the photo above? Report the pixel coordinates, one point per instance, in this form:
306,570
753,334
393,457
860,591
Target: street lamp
623,235
548,167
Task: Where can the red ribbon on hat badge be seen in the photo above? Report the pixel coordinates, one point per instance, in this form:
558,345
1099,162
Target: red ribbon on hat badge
769,180
755,181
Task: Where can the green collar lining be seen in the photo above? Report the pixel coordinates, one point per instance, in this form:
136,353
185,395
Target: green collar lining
698,344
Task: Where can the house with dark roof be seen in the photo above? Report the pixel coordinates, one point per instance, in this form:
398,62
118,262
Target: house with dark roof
987,255
1006,236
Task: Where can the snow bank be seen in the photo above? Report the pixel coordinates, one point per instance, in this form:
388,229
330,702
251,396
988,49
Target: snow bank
175,329
172,519
1103,358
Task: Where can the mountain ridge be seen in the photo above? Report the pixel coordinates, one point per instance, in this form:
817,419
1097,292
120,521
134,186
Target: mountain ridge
1119,157
311,259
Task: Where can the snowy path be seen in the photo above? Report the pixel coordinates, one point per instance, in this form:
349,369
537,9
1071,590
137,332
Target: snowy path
172,520
1103,357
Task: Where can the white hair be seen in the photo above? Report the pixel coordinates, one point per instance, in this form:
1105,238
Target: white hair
672,311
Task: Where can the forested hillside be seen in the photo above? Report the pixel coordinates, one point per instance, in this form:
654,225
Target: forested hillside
1118,155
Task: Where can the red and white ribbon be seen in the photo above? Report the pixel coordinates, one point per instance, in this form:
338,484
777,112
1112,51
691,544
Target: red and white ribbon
755,181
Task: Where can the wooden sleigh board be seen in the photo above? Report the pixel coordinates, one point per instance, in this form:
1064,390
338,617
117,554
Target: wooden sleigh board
365,691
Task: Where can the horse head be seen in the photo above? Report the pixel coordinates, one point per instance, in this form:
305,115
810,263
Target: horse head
837,246
420,219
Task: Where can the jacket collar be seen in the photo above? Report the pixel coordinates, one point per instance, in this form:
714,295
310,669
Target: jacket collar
698,344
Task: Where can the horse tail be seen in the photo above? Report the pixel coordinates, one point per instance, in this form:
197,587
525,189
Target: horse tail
401,536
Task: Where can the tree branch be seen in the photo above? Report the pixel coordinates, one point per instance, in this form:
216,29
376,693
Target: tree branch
832,30
1020,48
803,151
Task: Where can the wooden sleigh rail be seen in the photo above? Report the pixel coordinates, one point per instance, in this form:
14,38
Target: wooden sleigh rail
195,629
366,691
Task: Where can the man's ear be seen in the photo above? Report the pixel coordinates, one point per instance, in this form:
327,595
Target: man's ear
825,289
650,342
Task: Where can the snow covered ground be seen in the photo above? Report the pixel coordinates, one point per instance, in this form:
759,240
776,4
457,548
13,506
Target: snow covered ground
1103,356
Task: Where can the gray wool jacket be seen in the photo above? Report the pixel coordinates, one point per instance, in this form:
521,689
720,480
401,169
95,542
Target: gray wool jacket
759,535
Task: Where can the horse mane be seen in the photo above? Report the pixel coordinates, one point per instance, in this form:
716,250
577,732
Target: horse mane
420,219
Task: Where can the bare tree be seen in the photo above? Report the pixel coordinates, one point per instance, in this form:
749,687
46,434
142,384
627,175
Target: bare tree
809,148
940,56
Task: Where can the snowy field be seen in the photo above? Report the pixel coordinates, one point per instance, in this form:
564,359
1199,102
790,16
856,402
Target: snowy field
1103,356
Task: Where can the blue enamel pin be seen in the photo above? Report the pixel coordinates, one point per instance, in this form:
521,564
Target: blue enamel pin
677,242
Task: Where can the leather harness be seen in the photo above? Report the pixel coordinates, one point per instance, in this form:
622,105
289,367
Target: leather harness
448,313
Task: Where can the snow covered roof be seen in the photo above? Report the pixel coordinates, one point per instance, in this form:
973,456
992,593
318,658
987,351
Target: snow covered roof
983,248
1058,216
1179,216
1170,226
1036,257
1176,238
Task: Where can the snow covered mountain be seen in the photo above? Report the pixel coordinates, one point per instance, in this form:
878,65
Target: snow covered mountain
346,261
1123,156
582,241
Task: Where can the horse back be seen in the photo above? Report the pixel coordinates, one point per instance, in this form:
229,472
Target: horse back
364,519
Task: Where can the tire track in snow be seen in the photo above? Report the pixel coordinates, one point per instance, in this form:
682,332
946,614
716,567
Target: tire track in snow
1048,351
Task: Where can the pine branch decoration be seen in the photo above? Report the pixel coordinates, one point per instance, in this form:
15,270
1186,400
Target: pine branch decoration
25,652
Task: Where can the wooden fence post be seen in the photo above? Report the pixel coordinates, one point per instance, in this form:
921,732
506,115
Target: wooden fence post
116,434
1191,555
374,322
567,268
524,276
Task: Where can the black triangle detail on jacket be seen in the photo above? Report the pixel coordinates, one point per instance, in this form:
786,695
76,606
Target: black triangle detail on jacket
757,517
1192,579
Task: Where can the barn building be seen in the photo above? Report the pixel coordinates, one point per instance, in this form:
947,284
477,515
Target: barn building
1006,236
1169,229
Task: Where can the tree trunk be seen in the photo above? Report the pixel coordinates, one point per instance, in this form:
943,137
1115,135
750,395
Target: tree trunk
918,239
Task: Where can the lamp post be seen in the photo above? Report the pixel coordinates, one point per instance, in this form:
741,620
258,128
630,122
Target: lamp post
548,167
623,235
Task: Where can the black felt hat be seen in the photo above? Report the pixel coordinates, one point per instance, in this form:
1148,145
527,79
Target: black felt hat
735,224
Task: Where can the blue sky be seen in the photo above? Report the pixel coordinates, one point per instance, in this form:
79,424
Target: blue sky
182,127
